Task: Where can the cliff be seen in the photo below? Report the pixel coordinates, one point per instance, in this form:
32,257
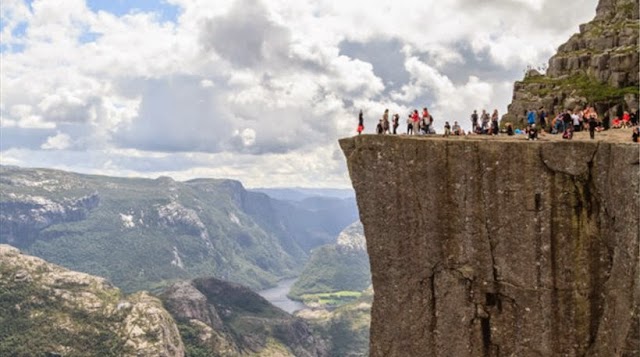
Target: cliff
52,311
500,247
596,66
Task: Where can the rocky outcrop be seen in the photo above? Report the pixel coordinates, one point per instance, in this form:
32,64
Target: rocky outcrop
597,66
49,310
339,267
226,319
352,239
500,248
22,216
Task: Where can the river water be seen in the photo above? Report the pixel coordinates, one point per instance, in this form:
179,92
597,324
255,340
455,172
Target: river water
278,296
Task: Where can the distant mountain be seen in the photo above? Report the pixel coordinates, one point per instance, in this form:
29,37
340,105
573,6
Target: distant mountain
343,266
299,194
46,310
142,233
218,318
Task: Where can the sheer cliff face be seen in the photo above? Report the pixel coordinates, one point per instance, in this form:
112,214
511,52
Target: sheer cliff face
499,248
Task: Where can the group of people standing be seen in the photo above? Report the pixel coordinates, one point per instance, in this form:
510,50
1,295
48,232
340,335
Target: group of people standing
485,124
416,123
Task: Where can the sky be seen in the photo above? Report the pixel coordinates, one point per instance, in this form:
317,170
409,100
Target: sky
254,90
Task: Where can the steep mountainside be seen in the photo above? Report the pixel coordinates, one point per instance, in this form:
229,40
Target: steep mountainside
597,66
505,247
46,310
345,329
336,267
143,232
217,318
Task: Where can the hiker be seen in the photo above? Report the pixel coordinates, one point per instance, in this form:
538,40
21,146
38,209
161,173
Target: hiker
415,118
385,122
533,132
575,118
485,121
542,117
635,135
360,123
626,120
495,128
567,120
426,121
447,129
409,125
568,133
634,118
457,130
395,121
379,129
531,117
474,120
509,129
592,126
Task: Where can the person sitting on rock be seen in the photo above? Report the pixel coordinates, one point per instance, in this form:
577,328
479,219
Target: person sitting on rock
456,128
447,129
635,134
568,133
626,120
379,128
509,129
616,123
533,132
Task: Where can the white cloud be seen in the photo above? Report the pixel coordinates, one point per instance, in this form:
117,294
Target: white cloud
60,141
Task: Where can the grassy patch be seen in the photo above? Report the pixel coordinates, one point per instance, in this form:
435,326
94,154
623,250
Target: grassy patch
332,299
584,86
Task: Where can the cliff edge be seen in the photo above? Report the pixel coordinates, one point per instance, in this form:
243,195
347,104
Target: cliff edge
500,248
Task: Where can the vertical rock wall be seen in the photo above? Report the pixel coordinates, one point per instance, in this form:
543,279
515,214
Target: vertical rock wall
500,248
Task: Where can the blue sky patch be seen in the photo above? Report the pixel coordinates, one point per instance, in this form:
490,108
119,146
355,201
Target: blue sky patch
165,11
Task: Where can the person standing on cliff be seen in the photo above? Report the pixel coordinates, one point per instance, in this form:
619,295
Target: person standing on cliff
395,121
415,118
495,128
592,126
531,117
360,123
474,120
543,118
409,125
426,120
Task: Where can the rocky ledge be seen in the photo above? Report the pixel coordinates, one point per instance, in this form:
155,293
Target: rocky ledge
500,248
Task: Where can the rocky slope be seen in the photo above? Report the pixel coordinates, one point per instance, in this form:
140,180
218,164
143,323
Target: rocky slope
597,66
336,267
345,329
140,233
217,318
504,247
49,310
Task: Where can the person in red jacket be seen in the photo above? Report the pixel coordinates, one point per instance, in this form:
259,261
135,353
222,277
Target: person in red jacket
415,118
